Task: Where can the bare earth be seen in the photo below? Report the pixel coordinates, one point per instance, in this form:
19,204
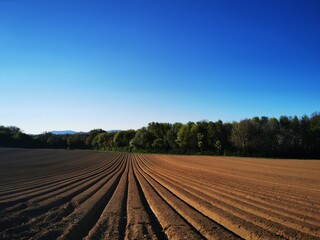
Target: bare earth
61,194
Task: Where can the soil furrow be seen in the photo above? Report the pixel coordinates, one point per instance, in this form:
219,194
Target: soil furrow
236,224
77,196
172,224
205,226
62,194
141,221
271,187
265,225
79,223
238,202
67,181
272,195
112,222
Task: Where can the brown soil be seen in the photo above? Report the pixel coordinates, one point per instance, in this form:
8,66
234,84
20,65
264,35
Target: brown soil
61,194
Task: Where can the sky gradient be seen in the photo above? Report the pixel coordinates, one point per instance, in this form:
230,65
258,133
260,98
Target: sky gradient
89,64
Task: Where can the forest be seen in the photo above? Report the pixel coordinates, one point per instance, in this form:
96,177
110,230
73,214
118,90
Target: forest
285,137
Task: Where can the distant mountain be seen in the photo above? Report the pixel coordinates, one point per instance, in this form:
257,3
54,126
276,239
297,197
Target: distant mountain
74,132
110,131
63,132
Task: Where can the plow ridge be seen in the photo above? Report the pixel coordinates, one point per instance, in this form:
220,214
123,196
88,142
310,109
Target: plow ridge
60,194
257,215
150,225
238,196
49,186
202,224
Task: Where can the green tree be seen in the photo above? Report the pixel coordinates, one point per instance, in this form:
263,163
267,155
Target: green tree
242,134
100,141
143,139
91,135
188,137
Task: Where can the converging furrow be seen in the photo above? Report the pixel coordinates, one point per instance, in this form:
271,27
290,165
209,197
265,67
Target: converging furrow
63,194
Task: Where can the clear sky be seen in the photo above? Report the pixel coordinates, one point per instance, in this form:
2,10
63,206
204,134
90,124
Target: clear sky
88,64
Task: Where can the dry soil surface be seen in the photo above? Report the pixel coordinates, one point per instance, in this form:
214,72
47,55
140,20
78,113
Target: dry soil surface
63,194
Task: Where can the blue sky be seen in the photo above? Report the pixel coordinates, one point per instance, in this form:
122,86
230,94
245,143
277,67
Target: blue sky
121,64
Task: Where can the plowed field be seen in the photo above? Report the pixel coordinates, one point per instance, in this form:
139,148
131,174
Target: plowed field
61,194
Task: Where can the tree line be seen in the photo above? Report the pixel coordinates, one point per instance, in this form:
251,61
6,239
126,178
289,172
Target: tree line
285,137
